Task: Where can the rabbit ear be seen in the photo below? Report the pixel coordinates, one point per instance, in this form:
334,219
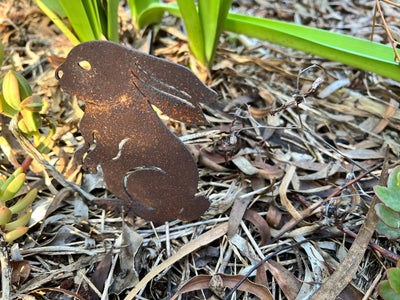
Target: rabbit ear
169,100
174,89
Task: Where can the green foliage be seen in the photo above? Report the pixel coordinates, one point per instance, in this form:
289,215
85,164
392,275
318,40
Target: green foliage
390,289
8,190
204,23
91,20
16,99
138,7
389,210
363,54
87,19
204,26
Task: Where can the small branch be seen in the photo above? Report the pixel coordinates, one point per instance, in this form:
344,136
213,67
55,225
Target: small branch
5,269
374,246
392,41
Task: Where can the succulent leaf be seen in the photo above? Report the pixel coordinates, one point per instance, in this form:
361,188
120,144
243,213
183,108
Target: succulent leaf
393,275
32,103
13,188
388,216
11,90
14,234
389,196
24,202
386,291
20,222
5,215
5,108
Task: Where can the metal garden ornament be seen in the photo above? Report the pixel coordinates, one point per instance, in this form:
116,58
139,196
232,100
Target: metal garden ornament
149,170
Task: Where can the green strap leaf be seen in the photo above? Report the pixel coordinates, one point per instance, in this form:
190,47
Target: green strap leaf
112,20
139,9
212,16
191,18
77,16
353,51
93,17
363,54
56,20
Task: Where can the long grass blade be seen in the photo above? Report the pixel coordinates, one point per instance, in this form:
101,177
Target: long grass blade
78,18
140,6
56,20
193,26
208,13
223,13
93,17
363,54
112,20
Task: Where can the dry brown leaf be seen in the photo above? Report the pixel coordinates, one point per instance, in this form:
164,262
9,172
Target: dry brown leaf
193,245
203,281
267,171
238,209
100,274
58,290
243,164
238,101
363,154
260,223
128,276
286,280
21,269
266,95
323,173
343,275
283,190
390,112
259,113
274,216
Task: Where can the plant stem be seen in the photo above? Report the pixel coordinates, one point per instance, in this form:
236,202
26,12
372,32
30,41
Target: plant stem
26,163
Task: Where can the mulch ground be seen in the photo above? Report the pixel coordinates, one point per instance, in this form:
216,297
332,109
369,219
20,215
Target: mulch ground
299,176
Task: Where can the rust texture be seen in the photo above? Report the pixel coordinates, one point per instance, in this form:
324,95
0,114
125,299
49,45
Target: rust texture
144,164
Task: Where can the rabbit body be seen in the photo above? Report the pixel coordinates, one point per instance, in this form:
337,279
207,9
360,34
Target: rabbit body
144,164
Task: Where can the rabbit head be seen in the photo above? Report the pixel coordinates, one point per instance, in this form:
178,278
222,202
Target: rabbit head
94,72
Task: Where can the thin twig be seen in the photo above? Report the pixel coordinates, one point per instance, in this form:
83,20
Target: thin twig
392,41
5,269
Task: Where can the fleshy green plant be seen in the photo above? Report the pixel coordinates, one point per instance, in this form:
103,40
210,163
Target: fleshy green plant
389,210
16,99
363,54
9,187
390,289
86,19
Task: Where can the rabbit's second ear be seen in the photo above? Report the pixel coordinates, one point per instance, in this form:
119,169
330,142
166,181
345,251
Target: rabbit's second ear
179,109
165,74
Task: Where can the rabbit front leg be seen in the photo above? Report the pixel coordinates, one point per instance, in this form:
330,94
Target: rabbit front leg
89,162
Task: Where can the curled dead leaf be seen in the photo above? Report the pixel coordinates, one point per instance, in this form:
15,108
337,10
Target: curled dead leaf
228,281
260,223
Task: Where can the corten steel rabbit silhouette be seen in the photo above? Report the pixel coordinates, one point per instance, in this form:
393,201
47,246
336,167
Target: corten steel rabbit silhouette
144,164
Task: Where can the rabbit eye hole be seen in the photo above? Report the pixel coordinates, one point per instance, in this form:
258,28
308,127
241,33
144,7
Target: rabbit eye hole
84,64
59,74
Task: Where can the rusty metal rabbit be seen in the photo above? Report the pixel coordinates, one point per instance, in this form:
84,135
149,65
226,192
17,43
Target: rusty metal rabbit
144,164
